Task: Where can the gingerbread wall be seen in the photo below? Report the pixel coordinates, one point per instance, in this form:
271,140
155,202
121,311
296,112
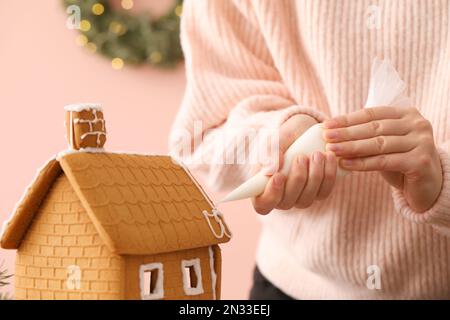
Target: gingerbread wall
62,235
172,273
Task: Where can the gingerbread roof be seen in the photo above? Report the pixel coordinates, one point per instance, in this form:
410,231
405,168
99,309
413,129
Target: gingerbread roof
138,204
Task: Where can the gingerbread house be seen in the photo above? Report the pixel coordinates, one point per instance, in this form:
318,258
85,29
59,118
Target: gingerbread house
99,225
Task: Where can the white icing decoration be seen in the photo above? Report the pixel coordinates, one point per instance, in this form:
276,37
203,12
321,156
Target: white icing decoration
91,126
188,290
64,153
98,133
213,272
72,131
94,107
217,217
78,107
159,288
91,122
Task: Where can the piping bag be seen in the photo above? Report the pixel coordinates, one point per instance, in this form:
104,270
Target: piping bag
386,88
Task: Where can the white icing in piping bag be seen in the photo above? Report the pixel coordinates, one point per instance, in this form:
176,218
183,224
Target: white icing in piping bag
385,89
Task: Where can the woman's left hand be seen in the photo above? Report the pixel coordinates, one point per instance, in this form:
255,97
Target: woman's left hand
394,140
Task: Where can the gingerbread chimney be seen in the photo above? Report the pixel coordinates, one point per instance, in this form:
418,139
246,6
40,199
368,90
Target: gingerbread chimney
85,126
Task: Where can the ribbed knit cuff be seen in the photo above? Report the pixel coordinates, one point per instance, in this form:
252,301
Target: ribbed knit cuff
273,120
438,215
294,110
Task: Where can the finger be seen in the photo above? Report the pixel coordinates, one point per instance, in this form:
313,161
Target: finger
315,177
272,195
295,182
386,162
329,176
386,127
372,146
363,116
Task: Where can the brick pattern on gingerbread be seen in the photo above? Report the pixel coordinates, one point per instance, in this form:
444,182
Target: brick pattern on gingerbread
62,235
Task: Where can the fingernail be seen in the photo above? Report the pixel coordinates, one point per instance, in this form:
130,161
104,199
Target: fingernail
347,162
278,181
317,157
330,134
302,160
333,147
329,124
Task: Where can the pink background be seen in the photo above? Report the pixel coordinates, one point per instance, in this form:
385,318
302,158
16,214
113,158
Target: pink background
42,69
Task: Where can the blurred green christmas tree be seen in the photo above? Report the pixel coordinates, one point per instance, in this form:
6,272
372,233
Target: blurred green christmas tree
127,38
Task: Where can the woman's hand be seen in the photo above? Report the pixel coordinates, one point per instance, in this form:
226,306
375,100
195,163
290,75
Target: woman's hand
309,178
396,141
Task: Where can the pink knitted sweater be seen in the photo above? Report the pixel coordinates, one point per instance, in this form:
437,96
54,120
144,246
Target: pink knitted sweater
253,64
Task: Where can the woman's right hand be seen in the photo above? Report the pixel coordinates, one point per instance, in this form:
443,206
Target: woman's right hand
310,178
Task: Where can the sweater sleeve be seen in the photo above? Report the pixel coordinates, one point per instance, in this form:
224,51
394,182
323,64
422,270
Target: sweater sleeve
439,214
233,92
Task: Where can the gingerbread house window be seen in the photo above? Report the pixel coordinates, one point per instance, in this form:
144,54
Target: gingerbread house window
151,281
192,277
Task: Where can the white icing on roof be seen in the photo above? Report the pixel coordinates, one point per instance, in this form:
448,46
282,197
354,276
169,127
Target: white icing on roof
71,151
63,153
77,107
